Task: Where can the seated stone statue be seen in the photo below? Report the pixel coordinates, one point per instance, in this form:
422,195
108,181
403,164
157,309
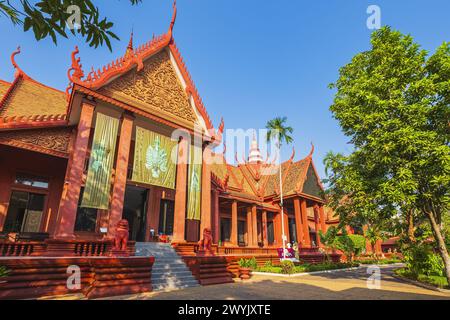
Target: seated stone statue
206,242
121,235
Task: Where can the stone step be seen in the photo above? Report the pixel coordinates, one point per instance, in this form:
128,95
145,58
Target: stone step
169,271
173,280
169,261
162,288
178,274
174,284
165,268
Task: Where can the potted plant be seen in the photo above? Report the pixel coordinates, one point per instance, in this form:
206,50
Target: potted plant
245,268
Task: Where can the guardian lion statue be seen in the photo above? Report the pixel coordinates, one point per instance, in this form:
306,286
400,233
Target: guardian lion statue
121,235
206,242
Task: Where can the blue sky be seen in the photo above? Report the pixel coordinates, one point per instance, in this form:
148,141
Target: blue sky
251,60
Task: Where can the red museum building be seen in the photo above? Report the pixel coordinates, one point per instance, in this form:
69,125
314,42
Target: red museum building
46,147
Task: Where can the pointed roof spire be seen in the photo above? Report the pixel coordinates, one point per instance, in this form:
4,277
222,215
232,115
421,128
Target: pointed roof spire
130,47
254,155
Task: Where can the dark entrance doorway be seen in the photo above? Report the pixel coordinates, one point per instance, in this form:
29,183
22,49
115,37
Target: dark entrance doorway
166,217
135,211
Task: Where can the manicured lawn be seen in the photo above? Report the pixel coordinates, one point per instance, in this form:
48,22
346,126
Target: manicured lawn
308,267
436,281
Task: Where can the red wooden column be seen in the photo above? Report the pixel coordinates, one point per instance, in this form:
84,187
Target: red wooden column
5,185
249,227
69,201
206,192
234,223
306,238
323,224
378,248
179,225
216,215
120,182
264,229
299,222
286,228
255,226
277,229
317,224
369,249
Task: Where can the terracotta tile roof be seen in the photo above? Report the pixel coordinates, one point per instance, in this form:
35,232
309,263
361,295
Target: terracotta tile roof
246,184
219,167
31,98
296,176
3,88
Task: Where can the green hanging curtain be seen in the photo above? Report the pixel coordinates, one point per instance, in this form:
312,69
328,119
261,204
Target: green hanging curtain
98,184
194,184
153,159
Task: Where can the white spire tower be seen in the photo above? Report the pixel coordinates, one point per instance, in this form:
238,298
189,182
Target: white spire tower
254,156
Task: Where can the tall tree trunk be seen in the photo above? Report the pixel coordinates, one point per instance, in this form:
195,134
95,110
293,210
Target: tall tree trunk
440,242
410,217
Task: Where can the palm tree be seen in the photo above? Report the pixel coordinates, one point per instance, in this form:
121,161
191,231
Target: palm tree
278,132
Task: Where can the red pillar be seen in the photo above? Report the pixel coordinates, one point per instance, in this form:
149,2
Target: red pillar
299,222
286,228
71,193
317,224
234,223
264,229
277,229
307,240
206,192
120,182
179,226
255,226
216,215
323,224
249,227
378,248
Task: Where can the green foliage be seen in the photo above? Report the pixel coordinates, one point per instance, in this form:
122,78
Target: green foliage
268,264
422,260
48,18
3,271
248,263
291,268
358,242
437,281
278,130
392,101
350,244
287,267
380,261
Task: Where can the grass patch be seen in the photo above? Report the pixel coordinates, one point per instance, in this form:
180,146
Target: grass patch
437,281
308,267
381,261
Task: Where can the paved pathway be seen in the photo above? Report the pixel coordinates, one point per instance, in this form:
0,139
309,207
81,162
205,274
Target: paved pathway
339,285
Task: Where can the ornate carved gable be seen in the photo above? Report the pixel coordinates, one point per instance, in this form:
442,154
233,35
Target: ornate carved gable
53,141
155,89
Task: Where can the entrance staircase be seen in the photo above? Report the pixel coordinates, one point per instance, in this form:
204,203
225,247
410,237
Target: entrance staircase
169,270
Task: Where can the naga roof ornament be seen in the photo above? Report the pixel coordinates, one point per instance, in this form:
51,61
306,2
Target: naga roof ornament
312,150
19,71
